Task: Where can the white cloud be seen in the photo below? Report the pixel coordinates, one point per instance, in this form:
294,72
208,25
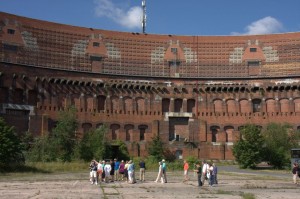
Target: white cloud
267,25
131,18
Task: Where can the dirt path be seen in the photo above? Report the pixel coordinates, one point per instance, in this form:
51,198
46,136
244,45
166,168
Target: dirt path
67,185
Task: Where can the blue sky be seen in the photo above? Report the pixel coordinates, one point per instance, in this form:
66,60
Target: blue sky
189,17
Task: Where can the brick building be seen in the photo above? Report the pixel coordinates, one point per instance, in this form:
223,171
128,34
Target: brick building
195,92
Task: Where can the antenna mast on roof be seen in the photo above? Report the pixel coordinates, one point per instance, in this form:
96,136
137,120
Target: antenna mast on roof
144,16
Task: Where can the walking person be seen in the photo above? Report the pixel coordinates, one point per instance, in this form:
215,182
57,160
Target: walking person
164,169
160,173
198,170
185,171
142,165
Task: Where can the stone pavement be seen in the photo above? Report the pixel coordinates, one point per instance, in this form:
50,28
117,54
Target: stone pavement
77,185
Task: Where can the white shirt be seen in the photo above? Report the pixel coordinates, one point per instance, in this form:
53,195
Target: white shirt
205,168
107,168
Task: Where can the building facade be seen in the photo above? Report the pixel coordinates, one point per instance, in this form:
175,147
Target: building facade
195,92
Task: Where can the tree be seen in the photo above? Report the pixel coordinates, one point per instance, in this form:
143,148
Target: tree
10,146
63,137
60,144
248,150
93,144
279,139
156,148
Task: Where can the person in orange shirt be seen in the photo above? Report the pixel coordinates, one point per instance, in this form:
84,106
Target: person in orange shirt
185,171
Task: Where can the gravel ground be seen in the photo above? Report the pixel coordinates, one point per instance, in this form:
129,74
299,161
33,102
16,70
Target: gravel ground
233,183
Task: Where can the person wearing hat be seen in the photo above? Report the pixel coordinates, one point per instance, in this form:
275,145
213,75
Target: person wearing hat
160,173
164,168
131,179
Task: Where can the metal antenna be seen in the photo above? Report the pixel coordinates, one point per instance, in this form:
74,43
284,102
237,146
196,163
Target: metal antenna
144,16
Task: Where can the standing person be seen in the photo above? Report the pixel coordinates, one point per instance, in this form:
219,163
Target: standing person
122,170
103,173
112,171
133,174
215,173
94,173
107,169
130,172
99,170
185,171
117,165
198,170
211,175
142,165
126,170
204,172
91,169
295,172
160,173
164,168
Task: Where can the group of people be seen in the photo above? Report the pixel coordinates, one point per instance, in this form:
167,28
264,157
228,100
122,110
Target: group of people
113,170
206,171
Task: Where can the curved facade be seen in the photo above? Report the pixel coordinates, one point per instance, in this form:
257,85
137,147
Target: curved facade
195,92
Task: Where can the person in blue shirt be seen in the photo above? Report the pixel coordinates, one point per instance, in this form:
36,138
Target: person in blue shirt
142,165
117,165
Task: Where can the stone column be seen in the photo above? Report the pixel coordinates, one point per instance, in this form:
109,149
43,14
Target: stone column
184,105
171,108
108,103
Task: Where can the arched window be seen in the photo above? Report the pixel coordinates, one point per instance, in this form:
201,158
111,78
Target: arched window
165,105
256,105
214,131
142,129
128,129
177,105
114,131
190,105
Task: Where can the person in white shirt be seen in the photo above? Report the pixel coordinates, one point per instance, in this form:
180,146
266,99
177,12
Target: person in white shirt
160,173
204,172
107,169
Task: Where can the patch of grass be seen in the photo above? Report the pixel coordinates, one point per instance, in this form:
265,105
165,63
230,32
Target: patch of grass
248,195
60,166
248,186
45,167
21,169
225,192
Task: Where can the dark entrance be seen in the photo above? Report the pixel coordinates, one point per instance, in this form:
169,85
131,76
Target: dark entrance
178,128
